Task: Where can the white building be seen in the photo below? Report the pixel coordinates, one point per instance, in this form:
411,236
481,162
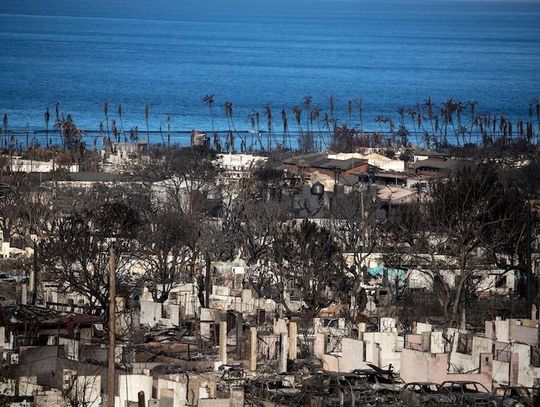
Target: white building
30,166
237,166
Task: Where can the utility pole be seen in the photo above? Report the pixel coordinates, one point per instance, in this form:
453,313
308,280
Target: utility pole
112,329
531,285
35,272
207,281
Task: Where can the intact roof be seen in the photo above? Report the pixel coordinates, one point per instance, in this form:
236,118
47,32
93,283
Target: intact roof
304,158
395,194
443,164
349,180
343,165
320,160
375,156
431,153
395,174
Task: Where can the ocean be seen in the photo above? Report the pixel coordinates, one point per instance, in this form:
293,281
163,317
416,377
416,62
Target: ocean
168,54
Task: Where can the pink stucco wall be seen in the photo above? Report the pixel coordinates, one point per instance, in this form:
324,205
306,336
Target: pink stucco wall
419,366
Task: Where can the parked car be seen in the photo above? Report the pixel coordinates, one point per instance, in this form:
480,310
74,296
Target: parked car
338,389
469,393
425,394
385,383
515,396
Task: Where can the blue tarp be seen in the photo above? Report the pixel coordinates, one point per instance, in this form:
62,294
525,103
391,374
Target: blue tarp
392,273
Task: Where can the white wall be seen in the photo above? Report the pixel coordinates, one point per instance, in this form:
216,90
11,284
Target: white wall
129,387
178,389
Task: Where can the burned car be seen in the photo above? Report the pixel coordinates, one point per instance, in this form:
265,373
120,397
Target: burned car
425,394
337,389
275,388
516,396
380,379
469,393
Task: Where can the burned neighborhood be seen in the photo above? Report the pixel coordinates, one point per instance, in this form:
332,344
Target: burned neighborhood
184,276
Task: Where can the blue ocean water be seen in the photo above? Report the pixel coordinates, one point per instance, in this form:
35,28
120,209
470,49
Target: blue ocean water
170,53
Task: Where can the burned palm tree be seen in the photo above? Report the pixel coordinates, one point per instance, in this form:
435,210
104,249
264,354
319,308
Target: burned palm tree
520,129
471,107
428,108
537,110
297,112
462,132
350,112
228,107
360,106
436,135
208,100
121,117
401,113
134,134
403,135
427,139
57,121
160,131
216,142
307,106
314,118
447,111
303,139
503,129
458,109
146,116
251,118
114,130
47,117
5,124
331,105
391,127
267,111
257,118
529,132
419,120
102,134
379,120
6,127
412,113
327,123
169,126
106,112
285,126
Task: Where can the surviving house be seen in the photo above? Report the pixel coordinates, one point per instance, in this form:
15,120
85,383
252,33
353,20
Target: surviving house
439,167
303,165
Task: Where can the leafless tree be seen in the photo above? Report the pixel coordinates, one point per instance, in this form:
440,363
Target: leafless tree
82,391
355,221
76,252
185,175
164,251
308,262
449,235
